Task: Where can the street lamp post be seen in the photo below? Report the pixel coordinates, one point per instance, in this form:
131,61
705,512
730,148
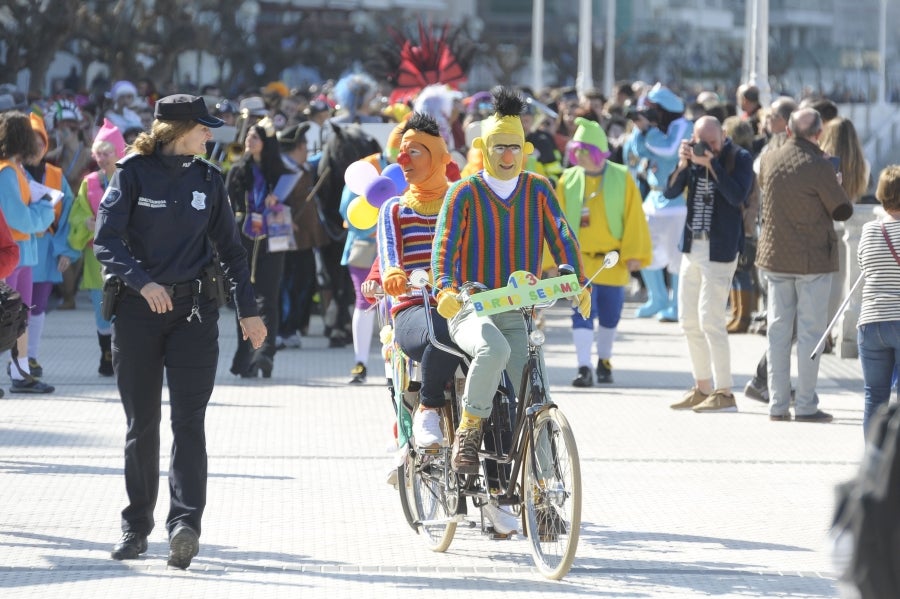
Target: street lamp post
759,55
585,79
882,48
609,56
537,46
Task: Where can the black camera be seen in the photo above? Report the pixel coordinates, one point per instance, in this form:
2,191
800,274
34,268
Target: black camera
700,148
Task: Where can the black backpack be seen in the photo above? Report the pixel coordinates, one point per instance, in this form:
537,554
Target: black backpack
866,528
13,317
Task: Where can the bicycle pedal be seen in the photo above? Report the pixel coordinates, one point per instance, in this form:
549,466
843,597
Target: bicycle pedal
496,536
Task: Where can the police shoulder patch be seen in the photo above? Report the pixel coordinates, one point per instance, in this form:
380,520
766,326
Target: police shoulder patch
111,196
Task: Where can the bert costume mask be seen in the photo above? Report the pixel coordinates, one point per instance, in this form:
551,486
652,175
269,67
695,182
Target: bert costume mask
502,141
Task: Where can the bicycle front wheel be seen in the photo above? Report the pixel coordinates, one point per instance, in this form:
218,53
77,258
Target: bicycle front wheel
552,492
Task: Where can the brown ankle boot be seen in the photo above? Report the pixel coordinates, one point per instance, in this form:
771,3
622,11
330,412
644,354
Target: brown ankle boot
735,309
746,303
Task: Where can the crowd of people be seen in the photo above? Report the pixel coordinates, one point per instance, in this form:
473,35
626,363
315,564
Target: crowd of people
688,200
712,206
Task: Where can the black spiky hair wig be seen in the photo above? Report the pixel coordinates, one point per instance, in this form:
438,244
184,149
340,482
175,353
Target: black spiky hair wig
507,102
424,123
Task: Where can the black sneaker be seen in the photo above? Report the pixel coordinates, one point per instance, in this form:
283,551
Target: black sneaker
359,374
130,546
32,386
758,390
184,544
604,371
584,378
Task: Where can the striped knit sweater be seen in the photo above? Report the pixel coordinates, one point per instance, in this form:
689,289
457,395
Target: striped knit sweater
481,237
405,237
881,291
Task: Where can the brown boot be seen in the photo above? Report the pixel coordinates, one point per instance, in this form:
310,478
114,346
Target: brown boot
735,308
746,303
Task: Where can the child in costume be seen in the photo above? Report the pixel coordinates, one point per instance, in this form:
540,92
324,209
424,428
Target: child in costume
107,149
602,205
55,255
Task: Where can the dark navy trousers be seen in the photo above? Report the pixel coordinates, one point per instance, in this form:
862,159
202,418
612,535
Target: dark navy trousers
146,346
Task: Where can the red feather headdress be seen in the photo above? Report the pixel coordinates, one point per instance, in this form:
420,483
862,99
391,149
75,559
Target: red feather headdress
440,57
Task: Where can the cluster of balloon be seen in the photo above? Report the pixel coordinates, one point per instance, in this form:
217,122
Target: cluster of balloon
373,190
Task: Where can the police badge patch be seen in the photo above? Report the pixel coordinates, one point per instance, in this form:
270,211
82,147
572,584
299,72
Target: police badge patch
110,196
199,201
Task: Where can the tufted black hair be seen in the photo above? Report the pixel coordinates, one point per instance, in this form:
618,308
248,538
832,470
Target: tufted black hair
507,102
424,123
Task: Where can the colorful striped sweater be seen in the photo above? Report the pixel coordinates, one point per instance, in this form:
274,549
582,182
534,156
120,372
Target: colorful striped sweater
481,237
405,238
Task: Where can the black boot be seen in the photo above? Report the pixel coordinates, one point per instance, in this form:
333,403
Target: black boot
106,367
584,378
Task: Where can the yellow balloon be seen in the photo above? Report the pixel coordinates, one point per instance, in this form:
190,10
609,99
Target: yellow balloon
361,213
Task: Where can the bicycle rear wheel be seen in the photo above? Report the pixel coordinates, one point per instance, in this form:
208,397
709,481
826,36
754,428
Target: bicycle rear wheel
431,493
552,494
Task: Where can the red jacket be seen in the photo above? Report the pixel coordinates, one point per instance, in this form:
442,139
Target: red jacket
9,250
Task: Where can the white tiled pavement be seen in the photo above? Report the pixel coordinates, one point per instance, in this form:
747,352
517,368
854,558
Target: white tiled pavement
675,504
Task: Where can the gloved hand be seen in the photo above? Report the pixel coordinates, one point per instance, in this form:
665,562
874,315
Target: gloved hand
583,302
448,303
394,281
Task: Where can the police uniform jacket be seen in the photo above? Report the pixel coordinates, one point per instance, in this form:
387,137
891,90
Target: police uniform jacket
160,221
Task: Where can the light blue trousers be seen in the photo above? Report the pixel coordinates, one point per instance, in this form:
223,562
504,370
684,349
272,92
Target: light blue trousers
804,297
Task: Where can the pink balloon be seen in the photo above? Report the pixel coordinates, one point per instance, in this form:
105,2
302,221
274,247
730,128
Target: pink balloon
380,190
358,175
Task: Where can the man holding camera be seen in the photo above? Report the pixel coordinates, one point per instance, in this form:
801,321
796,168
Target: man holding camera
718,176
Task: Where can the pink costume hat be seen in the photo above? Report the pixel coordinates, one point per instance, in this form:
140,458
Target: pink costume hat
110,133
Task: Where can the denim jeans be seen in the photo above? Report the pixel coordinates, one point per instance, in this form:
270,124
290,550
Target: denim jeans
702,297
804,298
879,355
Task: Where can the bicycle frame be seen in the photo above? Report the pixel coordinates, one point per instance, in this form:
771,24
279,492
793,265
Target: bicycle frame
527,408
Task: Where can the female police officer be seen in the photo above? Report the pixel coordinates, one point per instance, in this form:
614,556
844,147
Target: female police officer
164,214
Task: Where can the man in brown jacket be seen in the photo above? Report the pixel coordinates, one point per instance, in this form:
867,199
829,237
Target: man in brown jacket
798,253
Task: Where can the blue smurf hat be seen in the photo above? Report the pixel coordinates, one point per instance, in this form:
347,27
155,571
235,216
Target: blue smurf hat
663,97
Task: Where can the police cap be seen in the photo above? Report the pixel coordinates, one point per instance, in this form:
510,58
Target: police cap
184,107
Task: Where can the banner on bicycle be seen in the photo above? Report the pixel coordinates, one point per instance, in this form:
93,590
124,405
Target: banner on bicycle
523,289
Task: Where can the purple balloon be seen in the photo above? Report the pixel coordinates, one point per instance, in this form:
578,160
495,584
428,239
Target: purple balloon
380,190
395,173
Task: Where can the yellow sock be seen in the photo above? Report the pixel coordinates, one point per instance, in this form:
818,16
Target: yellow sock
468,421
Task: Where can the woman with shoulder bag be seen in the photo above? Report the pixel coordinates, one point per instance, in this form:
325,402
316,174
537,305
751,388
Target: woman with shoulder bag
250,186
879,316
